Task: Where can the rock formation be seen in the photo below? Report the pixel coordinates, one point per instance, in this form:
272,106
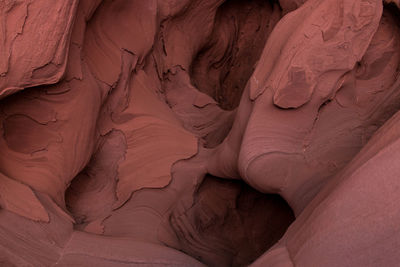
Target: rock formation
199,132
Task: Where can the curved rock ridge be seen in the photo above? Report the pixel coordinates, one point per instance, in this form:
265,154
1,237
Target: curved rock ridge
199,132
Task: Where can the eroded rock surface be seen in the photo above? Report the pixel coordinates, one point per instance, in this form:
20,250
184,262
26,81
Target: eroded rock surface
199,132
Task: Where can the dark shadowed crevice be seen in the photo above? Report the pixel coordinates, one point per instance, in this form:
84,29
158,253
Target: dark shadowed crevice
394,10
223,67
91,195
230,223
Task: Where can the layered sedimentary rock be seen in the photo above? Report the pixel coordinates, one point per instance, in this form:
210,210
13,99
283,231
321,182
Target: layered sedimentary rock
199,132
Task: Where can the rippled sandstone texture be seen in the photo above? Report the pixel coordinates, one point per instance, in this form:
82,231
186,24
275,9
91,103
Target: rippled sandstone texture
199,132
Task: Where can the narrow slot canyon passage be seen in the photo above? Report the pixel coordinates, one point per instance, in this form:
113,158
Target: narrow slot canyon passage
199,133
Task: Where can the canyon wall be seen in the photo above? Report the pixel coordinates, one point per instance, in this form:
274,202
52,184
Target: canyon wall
199,132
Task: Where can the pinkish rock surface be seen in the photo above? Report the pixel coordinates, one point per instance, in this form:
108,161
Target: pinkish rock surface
199,132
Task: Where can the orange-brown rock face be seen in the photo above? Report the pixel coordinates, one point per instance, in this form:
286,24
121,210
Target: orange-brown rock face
199,132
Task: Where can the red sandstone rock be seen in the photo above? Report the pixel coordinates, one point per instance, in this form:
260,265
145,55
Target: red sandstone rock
35,43
199,132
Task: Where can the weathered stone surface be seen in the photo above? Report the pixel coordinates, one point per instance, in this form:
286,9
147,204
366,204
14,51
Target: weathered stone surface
199,132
